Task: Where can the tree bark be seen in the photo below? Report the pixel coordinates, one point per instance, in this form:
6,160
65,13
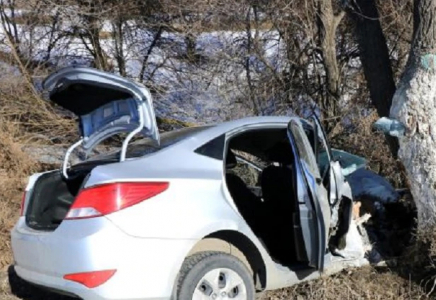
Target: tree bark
91,23
118,40
153,44
250,50
328,23
414,104
191,43
374,55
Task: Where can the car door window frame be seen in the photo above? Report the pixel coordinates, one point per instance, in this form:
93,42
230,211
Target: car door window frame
308,178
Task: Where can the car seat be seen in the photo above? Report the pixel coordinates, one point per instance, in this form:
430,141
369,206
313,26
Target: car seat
248,204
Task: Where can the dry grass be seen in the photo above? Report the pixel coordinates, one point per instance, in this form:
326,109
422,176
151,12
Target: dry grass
15,168
34,117
362,283
33,19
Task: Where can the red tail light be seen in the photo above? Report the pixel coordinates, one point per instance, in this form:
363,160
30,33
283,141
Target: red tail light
108,198
23,202
91,279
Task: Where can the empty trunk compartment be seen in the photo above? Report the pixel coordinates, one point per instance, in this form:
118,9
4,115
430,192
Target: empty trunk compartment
52,196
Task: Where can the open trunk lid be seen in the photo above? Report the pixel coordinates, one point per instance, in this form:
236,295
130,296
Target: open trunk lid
106,104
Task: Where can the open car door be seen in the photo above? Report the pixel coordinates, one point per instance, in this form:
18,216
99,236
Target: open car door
332,165
332,170
314,209
329,168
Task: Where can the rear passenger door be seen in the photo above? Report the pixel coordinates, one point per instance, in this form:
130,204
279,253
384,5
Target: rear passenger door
313,202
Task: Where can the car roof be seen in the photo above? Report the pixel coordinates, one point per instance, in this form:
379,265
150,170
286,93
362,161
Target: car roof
219,129
256,120
202,134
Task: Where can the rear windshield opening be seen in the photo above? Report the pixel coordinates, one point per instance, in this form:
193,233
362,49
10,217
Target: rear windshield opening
143,146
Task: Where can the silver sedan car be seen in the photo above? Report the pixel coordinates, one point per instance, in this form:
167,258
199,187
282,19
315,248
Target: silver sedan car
211,212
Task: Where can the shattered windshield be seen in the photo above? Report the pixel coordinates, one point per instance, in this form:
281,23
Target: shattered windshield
349,162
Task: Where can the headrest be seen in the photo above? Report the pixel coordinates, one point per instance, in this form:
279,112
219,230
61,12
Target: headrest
231,161
281,152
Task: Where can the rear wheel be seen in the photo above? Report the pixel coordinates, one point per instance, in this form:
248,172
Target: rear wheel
215,275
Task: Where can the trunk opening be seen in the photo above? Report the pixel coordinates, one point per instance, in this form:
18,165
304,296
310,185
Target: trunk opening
52,196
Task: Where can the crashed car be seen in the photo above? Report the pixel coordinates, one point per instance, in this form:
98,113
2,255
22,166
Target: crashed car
169,216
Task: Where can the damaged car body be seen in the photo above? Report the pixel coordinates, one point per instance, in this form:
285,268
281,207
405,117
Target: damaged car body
169,216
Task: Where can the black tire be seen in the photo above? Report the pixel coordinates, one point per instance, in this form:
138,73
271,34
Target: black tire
198,265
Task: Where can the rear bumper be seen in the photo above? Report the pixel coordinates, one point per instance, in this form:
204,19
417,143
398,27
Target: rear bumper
146,268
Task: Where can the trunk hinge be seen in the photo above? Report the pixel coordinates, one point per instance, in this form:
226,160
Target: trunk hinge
141,112
67,157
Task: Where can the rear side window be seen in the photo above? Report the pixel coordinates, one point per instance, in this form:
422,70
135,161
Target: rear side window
213,148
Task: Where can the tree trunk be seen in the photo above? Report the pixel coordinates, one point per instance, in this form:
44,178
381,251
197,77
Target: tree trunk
118,40
91,22
100,57
153,44
414,104
374,55
250,50
191,43
328,24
